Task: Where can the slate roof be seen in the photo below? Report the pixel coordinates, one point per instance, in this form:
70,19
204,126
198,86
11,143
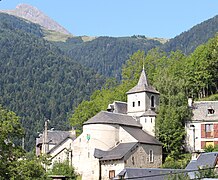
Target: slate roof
204,160
147,173
118,152
143,85
141,136
55,137
200,110
149,112
105,117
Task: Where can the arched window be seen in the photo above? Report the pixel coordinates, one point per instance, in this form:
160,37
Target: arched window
152,101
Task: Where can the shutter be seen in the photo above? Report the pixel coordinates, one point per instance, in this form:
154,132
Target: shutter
202,130
215,127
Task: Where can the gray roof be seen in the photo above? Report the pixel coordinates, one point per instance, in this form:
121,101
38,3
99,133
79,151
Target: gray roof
141,136
149,112
55,137
105,117
200,110
204,160
143,85
148,173
118,152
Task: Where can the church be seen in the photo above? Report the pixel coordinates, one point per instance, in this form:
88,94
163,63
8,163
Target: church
122,136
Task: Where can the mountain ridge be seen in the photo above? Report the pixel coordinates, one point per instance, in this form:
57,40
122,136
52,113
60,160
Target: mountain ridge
34,15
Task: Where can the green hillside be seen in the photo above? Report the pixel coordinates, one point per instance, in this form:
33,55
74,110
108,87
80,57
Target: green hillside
106,54
190,39
37,81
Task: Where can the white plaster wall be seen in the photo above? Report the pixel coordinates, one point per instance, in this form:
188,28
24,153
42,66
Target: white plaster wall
62,153
125,137
118,166
137,110
148,124
190,136
102,136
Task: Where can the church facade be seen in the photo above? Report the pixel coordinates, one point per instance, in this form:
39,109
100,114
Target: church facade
121,137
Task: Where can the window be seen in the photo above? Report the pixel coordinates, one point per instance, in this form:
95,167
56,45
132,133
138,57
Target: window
151,156
210,110
111,174
138,103
133,160
208,127
209,130
133,104
152,101
151,120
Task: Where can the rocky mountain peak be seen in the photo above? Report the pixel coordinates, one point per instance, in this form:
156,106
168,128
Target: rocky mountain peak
36,16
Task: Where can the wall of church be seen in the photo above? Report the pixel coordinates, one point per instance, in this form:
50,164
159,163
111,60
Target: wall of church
148,124
140,102
142,157
101,136
125,137
136,103
108,168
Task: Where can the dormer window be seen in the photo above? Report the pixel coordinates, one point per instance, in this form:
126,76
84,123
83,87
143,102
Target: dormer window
210,110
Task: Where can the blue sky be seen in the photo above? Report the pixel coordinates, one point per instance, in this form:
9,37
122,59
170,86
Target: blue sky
152,18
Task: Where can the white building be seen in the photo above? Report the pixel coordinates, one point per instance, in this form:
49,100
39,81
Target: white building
121,137
202,129
56,144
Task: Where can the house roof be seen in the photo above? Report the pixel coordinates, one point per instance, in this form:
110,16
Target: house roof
118,152
143,85
147,173
200,110
204,160
141,136
55,137
105,117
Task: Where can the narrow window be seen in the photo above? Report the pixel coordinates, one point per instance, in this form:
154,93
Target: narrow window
151,156
111,174
138,103
133,104
88,154
145,120
152,101
151,120
133,161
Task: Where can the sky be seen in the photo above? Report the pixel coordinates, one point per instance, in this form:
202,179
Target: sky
118,18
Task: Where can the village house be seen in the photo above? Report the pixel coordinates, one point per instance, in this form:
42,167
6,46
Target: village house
202,129
56,144
121,137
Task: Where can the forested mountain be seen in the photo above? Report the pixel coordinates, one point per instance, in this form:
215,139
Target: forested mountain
189,40
37,80
106,54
